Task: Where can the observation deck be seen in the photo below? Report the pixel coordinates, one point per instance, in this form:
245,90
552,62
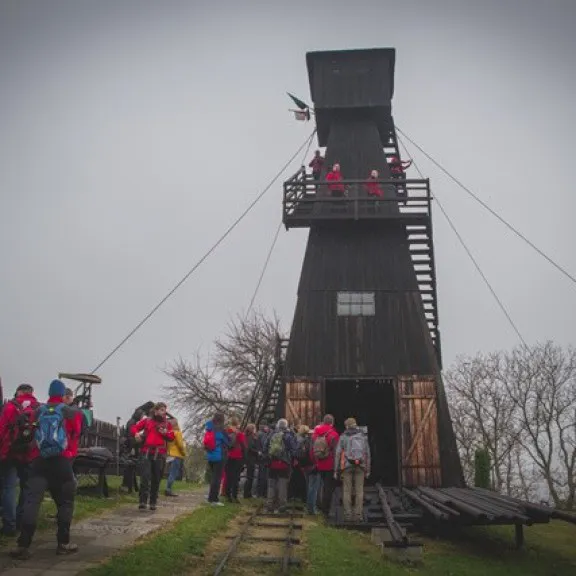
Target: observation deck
307,201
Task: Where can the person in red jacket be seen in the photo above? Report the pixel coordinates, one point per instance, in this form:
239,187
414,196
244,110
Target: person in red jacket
236,456
324,444
152,433
398,167
334,177
54,473
373,187
16,438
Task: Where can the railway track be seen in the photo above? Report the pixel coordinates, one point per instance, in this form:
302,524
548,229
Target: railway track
279,533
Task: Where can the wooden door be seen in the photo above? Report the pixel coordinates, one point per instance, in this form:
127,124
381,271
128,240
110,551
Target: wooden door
303,402
420,454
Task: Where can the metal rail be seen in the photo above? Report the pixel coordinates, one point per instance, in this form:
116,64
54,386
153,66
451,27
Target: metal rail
286,560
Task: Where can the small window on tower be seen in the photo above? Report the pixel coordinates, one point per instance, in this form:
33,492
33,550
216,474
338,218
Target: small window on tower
356,304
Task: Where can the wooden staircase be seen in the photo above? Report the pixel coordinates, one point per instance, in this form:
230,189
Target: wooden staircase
266,398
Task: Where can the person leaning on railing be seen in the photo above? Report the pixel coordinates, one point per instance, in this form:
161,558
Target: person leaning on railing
316,164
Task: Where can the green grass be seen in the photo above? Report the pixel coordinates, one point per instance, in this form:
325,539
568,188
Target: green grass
173,551
549,551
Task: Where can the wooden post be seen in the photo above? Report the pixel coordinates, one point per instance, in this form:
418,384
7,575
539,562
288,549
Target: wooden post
519,533
117,445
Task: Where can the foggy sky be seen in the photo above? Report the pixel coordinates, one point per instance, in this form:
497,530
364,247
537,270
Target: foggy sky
132,133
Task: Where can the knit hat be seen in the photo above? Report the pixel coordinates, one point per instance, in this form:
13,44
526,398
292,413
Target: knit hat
57,388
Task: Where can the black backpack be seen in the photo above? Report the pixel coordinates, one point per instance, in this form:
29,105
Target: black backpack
303,454
23,431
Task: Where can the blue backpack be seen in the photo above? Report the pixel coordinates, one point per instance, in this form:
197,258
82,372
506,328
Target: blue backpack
50,433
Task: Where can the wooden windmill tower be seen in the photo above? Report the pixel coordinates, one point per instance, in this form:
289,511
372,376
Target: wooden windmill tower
365,340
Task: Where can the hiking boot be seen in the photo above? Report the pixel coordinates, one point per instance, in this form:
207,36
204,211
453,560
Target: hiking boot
152,507
64,549
142,507
20,553
170,494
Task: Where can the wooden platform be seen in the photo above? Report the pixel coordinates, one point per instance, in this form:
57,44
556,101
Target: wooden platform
423,506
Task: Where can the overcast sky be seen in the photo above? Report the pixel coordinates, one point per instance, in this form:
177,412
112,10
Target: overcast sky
133,132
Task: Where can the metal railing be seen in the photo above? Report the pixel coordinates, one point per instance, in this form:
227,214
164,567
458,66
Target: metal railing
308,199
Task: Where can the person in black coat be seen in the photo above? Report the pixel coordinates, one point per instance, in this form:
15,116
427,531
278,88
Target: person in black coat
130,449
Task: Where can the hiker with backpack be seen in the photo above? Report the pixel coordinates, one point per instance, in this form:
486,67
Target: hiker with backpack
324,443
17,432
280,451
216,444
58,429
353,463
302,465
153,433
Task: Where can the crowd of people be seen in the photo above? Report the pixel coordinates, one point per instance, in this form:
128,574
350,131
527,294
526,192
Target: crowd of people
39,443
285,462
334,177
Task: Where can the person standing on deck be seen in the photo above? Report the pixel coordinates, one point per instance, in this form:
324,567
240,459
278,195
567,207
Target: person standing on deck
324,443
353,462
334,177
372,185
176,455
399,167
316,164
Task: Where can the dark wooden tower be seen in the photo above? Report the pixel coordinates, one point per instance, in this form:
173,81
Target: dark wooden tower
365,340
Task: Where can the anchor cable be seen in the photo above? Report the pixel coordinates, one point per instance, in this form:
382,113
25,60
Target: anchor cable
264,268
493,212
470,255
205,256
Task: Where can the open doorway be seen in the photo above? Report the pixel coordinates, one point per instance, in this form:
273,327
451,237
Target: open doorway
373,404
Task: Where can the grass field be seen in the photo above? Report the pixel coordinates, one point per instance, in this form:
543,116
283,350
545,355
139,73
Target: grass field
549,551
181,548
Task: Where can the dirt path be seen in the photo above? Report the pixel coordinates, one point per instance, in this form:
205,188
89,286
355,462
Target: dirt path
98,538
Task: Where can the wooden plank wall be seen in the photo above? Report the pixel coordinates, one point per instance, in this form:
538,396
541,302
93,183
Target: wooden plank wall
303,402
419,432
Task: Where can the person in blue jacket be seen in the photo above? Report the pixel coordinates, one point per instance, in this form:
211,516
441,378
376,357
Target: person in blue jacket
217,457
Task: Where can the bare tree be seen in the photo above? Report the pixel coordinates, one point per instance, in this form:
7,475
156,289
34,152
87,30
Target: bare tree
542,384
483,414
521,407
224,381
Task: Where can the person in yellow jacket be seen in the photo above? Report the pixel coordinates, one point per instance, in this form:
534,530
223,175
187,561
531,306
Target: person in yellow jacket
176,455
